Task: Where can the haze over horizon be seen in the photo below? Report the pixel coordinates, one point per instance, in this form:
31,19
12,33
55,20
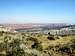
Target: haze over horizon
37,11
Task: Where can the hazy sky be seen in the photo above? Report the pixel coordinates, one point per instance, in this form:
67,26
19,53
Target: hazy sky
37,11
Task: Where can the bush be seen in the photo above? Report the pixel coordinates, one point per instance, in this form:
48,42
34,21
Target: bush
51,38
16,52
1,33
14,49
63,35
57,37
33,39
38,46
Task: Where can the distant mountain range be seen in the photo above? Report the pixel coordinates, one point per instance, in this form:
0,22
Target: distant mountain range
35,25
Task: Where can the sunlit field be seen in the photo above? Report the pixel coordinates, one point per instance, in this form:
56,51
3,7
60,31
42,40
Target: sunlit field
36,44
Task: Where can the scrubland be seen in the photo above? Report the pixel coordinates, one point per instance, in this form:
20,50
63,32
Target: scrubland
33,44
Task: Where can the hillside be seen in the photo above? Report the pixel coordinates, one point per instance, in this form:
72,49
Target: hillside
32,44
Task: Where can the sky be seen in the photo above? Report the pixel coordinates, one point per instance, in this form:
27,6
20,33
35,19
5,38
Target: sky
37,11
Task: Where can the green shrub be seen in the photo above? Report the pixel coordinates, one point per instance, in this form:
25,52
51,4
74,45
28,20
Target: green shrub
16,52
63,35
33,39
1,33
37,46
51,38
57,37
2,55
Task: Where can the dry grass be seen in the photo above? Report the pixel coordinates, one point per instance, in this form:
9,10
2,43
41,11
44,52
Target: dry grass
42,40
